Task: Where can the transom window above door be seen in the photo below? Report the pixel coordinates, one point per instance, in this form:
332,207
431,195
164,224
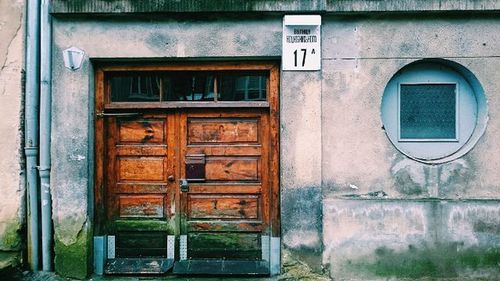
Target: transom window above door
187,86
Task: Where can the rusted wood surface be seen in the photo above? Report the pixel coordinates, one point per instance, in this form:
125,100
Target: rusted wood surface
247,150
136,206
224,226
139,150
141,188
204,131
223,188
232,168
140,169
142,132
223,207
190,104
274,152
99,183
190,66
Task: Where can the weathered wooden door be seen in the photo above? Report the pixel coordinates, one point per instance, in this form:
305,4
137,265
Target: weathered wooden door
187,167
224,191
140,190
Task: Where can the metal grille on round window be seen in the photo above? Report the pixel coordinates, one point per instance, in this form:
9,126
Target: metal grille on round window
428,112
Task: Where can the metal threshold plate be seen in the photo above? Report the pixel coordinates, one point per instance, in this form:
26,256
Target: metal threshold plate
221,267
138,266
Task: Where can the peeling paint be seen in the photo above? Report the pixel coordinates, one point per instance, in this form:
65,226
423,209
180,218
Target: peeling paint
77,157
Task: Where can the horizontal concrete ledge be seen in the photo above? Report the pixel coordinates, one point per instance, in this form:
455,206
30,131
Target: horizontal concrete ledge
409,200
410,5
279,6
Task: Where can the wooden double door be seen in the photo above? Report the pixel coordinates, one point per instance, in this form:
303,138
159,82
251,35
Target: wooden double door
192,186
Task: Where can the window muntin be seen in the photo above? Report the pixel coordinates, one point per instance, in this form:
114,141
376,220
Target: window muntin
428,112
188,86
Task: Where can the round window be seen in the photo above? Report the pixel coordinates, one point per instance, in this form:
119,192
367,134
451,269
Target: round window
434,111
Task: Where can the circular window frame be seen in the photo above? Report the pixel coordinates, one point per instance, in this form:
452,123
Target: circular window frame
471,110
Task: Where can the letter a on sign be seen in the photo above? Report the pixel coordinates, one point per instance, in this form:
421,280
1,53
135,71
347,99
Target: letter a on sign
301,42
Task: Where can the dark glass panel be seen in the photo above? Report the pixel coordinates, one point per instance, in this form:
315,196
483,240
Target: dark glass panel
242,86
188,86
135,87
428,111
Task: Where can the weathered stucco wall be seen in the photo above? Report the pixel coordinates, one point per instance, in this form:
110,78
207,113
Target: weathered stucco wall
360,57
216,39
334,153
11,163
368,234
374,239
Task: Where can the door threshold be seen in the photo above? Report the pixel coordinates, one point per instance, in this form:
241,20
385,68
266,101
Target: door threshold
138,266
222,267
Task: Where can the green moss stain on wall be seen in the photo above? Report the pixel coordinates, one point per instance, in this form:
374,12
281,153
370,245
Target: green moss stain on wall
10,239
296,269
438,261
73,260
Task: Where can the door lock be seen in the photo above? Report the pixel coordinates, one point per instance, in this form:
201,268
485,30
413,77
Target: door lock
184,185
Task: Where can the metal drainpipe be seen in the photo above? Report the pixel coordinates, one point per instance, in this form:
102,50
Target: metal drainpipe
31,124
45,119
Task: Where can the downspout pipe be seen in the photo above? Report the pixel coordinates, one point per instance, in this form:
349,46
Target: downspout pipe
45,119
31,125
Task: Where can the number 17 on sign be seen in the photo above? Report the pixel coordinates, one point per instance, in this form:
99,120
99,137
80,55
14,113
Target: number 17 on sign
300,58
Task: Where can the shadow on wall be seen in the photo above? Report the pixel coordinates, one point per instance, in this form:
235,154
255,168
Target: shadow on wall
301,222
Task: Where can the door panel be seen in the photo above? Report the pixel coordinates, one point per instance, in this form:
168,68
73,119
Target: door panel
139,194
213,245
225,214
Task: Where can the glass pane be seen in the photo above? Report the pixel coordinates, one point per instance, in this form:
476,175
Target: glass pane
188,86
428,111
242,87
135,87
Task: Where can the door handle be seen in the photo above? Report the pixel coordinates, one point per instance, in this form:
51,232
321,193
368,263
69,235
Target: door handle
184,185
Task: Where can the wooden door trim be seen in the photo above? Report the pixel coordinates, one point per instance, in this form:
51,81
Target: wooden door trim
189,66
99,199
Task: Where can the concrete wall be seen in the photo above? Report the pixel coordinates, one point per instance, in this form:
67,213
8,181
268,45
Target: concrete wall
11,143
377,221
348,197
73,92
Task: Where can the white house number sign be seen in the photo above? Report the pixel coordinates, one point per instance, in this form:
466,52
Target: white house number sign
301,42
